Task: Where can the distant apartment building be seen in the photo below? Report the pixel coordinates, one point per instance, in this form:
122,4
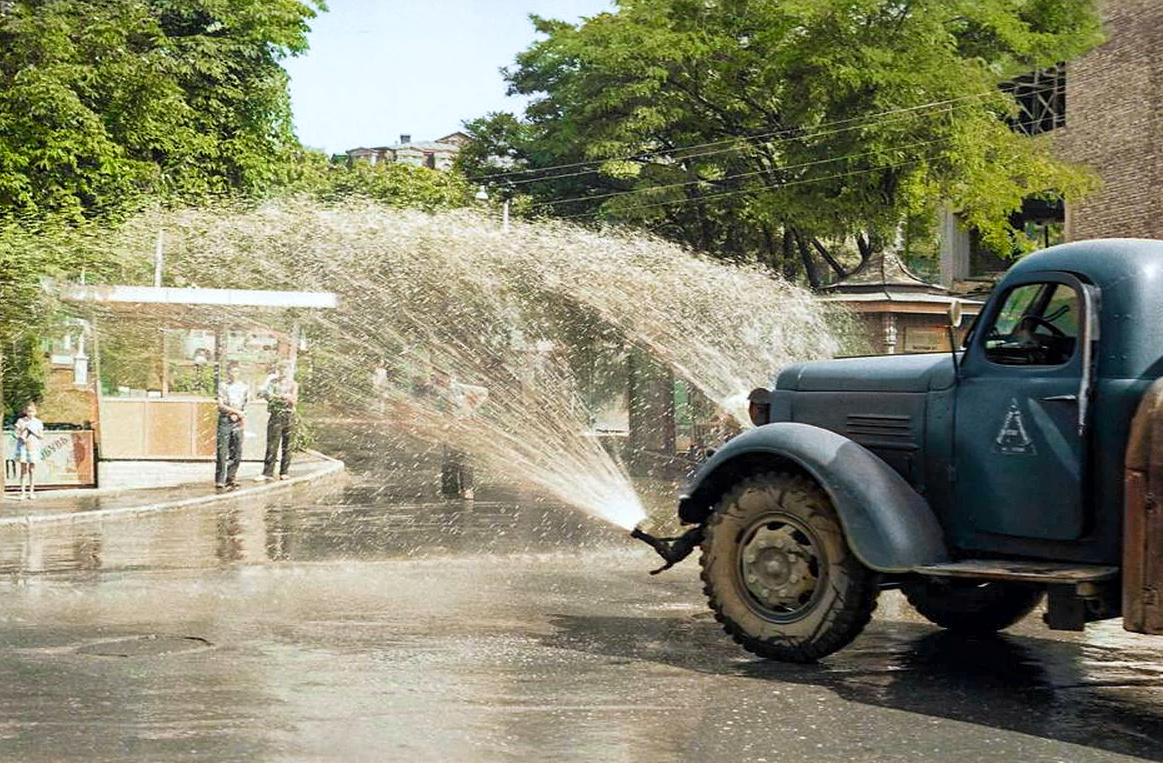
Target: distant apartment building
439,154
1103,110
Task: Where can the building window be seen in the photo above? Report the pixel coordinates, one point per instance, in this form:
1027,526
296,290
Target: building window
1041,98
430,160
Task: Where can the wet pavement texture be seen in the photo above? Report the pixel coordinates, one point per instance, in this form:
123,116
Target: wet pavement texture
379,622
50,504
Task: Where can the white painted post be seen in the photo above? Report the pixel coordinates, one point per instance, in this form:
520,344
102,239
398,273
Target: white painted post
157,258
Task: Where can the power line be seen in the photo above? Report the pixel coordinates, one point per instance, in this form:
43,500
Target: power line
739,175
817,162
732,142
802,181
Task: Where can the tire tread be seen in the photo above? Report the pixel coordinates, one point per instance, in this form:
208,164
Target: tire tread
842,625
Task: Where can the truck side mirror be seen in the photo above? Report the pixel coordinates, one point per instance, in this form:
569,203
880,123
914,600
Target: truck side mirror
955,313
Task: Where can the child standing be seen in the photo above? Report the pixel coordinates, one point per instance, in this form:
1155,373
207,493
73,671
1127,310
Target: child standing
29,437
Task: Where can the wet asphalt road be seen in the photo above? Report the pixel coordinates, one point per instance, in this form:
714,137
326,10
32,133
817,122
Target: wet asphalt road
377,622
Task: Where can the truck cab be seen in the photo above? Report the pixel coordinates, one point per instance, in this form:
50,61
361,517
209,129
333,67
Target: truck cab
977,481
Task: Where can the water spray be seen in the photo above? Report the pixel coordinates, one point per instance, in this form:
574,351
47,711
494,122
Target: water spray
513,313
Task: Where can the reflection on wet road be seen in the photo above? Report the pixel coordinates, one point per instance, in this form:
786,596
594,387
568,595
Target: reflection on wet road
375,623
357,523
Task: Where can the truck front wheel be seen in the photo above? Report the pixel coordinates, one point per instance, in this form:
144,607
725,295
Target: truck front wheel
971,606
778,572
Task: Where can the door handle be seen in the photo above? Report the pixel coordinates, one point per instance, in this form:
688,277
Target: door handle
1061,399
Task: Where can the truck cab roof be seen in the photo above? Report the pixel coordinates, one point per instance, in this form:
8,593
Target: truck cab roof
1129,274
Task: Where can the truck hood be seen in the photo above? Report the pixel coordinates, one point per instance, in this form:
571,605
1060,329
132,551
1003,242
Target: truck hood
882,373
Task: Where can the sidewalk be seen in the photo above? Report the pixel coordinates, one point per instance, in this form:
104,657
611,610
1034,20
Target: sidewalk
80,505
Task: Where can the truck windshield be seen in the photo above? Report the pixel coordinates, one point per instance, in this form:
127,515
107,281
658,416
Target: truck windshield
1037,325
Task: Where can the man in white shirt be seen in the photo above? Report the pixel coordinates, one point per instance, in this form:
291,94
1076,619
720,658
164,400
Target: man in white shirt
233,395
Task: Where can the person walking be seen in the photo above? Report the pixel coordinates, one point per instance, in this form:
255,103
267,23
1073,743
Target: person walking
282,395
233,395
458,401
29,438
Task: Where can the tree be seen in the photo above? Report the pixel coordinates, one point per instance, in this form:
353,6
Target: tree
394,184
778,128
106,105
103,102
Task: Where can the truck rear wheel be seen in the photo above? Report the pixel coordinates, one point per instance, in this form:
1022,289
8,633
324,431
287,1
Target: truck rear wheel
971,606
778,572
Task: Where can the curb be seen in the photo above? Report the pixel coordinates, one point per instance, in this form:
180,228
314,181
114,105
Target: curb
332,469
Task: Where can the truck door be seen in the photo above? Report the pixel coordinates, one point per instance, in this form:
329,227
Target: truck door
1022,398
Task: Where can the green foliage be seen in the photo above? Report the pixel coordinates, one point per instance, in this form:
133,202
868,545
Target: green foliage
391,183
25,372
109,105
32,252
760,128
105,102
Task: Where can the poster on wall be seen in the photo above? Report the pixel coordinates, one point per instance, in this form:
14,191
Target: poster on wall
66,460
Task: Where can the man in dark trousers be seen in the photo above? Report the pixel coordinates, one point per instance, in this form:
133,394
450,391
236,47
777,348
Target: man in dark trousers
282,394
458,401
233,395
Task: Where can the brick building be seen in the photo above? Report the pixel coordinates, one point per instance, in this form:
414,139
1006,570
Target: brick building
1103,110
1114,124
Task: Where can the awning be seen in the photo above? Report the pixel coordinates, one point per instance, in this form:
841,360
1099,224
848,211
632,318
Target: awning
188,297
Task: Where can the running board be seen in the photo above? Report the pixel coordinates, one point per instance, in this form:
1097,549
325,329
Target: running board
1048,573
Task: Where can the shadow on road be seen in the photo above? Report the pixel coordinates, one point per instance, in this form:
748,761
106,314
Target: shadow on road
1059,690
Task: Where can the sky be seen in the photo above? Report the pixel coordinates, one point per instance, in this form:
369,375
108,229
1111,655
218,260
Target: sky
378,69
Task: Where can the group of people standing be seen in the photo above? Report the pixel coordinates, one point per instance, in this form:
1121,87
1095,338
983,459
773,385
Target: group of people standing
281,392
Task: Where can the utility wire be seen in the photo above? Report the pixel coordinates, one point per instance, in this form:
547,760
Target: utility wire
703,181
732,143
739,175
722,194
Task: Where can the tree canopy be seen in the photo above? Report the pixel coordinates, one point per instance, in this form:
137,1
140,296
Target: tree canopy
103,101
394,184
769,128
108,105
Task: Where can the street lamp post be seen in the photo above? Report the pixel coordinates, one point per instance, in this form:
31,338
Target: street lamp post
483,195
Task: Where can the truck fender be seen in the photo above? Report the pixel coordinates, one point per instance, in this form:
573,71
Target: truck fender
888,525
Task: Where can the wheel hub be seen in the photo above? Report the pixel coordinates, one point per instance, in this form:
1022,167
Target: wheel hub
779,566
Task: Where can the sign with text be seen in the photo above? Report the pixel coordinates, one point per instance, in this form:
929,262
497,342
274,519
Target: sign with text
66,460
919,339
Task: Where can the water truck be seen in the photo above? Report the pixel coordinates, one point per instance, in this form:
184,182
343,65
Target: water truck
1026,464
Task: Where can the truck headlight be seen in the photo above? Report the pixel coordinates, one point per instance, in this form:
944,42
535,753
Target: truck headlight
759,406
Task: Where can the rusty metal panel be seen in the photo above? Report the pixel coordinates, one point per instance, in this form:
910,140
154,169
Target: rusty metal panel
1035,572
1143,517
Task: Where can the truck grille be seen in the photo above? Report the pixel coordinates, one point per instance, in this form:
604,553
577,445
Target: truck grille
879,430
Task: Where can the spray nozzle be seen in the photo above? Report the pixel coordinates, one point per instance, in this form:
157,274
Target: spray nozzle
672,550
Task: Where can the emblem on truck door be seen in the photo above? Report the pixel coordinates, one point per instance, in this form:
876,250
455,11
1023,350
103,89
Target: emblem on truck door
1013,439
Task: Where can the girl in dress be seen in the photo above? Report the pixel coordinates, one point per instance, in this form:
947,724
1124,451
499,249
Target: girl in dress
29,436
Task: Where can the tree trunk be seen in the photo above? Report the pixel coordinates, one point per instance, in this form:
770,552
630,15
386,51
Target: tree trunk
841,274
809,263
3,455
650,444
865,247
790,271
